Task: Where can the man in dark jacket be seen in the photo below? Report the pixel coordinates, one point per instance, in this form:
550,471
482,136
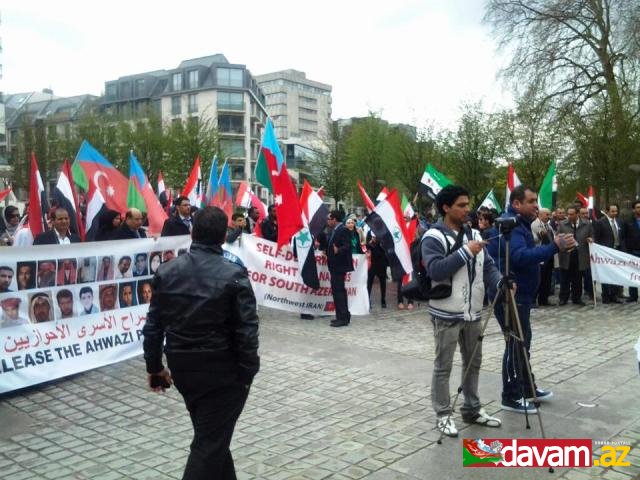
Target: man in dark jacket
524,268
631,236
607,231
340,262
269,226
60,233
180,223
130,228
204,305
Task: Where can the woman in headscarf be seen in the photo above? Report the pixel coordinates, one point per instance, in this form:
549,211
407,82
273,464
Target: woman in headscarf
108,223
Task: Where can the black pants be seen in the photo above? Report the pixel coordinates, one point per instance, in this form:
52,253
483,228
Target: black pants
633,291
214,411
546,276
587,282
382,277
400,296
571,280
340,297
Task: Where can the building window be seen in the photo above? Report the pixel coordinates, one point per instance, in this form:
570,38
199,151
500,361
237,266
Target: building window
176,81
125,90
237,172
176,108
111,91
231,101
231,124
193,102
52,132
139,87
193,79
230,77
232,148
192,122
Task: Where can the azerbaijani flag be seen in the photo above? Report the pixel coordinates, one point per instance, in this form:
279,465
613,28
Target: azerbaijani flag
270,159
212,186
91,166
142,197
225,192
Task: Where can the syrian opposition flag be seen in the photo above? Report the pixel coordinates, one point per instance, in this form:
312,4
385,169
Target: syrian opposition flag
193,188
512,182
549,188
96,206
387,224
38,205
142,197
225,192
491,202
67,197
365,198
90,167
432,181
164,195
407,208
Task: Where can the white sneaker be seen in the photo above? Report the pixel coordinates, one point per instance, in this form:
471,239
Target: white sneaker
541,395
447,426
483,418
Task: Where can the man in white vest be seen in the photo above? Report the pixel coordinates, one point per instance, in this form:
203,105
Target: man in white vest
460,269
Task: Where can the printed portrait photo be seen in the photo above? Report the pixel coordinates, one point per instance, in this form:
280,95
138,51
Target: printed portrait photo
7,273
87,301
123,270
64,304
67,271
46,273
140,267
105,268
155,259
87,267
108,296
127,294
13,311
168,255
144,291
40,307
26,275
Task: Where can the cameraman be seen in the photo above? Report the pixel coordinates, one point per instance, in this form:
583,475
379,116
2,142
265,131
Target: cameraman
525,259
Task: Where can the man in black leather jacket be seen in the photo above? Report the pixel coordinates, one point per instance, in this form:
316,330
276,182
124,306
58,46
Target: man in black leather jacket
204,305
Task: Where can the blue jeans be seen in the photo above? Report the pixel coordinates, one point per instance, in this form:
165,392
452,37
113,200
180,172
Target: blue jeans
515,380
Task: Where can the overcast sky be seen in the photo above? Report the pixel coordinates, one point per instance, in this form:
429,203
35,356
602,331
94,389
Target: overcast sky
415,61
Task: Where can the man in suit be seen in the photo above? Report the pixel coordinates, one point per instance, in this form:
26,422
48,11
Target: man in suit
543,235
340,262
576,261
130,228
60,233
631,236
180,223
608,232
587,284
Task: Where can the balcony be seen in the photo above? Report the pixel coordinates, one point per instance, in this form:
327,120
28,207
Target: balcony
231,130
231,106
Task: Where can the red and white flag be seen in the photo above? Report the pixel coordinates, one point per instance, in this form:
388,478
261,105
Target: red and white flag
193,188
38,205
512,182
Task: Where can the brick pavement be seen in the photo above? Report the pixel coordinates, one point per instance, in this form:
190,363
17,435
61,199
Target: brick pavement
333,403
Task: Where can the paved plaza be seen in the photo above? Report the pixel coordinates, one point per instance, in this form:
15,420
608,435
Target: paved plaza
345,403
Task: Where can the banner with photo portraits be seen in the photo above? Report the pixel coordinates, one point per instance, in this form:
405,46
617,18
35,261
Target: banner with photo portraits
65,309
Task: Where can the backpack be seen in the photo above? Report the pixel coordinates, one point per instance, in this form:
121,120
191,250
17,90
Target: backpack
419,288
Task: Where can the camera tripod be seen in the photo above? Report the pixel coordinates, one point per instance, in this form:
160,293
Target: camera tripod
513,335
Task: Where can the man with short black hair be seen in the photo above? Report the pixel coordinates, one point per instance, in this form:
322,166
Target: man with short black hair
607,231
65,303
573,263
269,226
455,258
524,265
252,219
86,300
239,224
339,261
60,233
204,306
181,222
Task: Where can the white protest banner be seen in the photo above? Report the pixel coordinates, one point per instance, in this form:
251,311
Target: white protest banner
275,277
71,308
614,267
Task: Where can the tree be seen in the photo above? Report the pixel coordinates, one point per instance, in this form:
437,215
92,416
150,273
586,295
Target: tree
584,55
332,167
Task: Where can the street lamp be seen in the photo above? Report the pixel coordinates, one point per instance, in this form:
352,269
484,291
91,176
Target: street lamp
635,168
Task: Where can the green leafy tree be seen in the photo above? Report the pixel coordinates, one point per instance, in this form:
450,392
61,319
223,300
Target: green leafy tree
333,168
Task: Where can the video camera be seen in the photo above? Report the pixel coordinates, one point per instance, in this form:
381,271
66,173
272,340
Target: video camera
506,224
